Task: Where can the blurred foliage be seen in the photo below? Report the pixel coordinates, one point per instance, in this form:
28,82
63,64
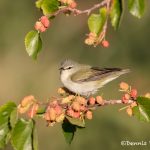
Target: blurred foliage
21,76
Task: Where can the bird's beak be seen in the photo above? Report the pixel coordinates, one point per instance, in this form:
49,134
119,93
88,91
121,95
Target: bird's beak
61,68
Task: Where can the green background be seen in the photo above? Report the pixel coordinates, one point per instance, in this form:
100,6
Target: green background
21,76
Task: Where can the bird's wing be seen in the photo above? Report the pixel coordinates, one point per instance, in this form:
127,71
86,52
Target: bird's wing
93,74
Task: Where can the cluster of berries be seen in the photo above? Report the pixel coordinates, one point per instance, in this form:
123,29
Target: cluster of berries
79,107
92,39
30,105
130,94
42,24
70,3
67,105
54,113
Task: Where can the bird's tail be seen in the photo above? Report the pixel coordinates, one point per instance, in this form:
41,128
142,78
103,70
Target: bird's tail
113,75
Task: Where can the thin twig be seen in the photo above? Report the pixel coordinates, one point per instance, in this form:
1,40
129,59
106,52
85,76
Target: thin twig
77,11
103,33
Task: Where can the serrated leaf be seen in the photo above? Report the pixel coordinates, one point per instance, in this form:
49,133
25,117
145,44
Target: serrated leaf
142,111
97,21
116,13
49,6
68,131
22,135
136,7
5,112
76,121
33,43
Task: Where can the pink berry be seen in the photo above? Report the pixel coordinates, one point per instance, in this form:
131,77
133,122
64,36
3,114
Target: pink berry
83,108
129,111
125,100
73,5
70,112
105,43
39,26
99,100
58,110
44,20
124,86
76,106
92,101
89,115
127,96
76,114
133,93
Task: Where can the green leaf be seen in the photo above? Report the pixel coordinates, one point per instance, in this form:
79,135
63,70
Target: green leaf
116,13
33,43
68,130
136,7
49,6
142,111
13,117
38,3
76,121
22,135
97,21
5,112
34,137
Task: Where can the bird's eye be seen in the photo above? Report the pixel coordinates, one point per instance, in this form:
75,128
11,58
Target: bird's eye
69,68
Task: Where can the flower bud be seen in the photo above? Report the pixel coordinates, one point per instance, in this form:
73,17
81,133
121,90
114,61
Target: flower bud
124,86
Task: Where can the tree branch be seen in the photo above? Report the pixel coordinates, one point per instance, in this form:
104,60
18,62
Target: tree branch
79,12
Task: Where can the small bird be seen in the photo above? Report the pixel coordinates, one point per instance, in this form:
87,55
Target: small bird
84,79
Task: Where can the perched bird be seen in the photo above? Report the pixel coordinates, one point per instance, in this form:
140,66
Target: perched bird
84,79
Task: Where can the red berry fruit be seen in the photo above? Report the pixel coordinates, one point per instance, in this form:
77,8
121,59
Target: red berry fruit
92,101
133,93
105,43
44,20
125,100
73,5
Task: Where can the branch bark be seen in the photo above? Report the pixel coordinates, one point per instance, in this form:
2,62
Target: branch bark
79,12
